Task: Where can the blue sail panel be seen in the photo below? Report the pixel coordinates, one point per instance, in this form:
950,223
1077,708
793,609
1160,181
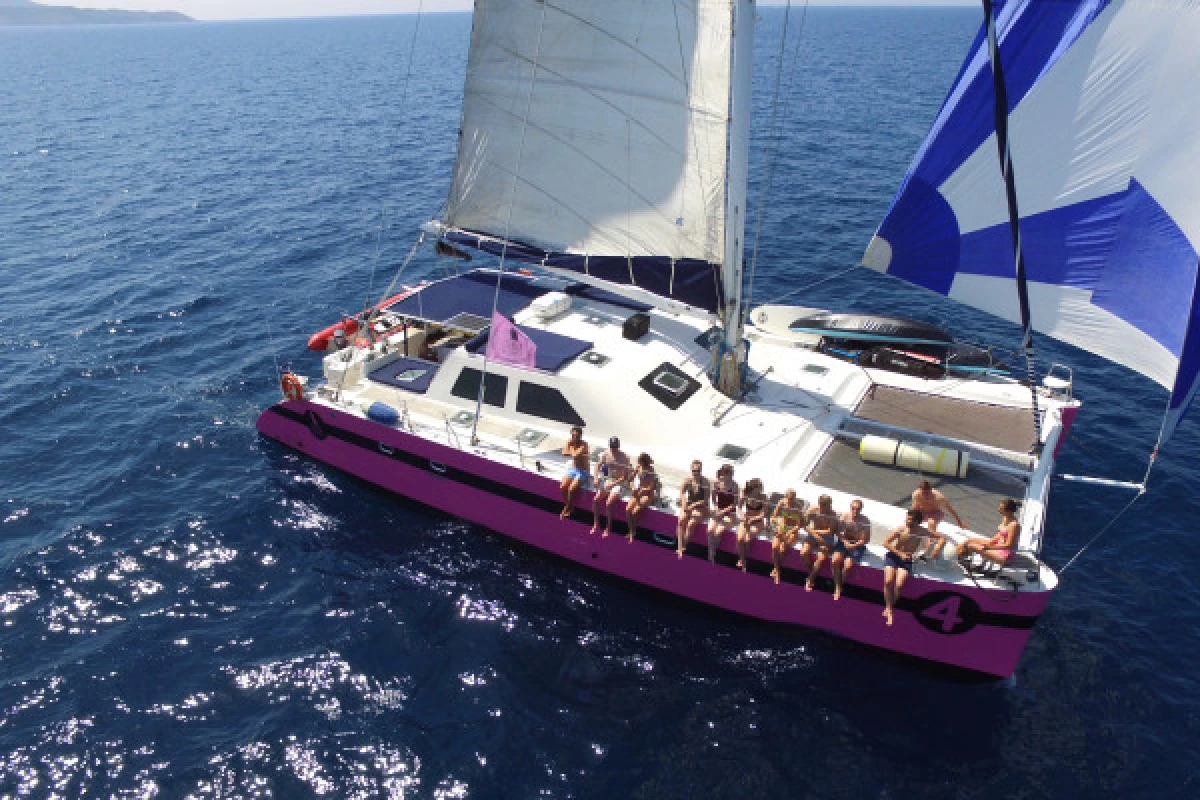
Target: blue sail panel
1105,170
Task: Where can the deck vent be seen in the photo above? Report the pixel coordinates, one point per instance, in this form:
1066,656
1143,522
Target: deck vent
596,320
530,437
463,418
595,359
471,323
816,369
734,453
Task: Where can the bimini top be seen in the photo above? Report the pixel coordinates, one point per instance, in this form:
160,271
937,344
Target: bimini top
471,295
1102,119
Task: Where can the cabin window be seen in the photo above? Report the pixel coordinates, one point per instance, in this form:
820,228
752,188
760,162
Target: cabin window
670,385
547,403
495,387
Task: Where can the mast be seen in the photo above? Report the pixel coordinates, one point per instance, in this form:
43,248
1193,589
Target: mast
729,355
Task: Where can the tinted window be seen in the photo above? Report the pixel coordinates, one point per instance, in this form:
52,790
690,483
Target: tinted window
547,403
467,387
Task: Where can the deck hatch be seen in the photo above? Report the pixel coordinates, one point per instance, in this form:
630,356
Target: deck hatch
670,385
733,452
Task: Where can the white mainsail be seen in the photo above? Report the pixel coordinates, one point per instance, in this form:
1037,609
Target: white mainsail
593,130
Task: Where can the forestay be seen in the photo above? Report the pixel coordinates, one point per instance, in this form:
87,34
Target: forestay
1104,119
594,140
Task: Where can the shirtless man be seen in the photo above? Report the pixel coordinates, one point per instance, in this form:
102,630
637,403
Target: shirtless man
577,450
851,545
933,506
822,529
901,545
693,505
612,483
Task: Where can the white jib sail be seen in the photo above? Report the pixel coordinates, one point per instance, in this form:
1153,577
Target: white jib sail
596,127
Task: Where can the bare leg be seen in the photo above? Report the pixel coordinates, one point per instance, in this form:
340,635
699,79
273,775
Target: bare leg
614,501
776,558
570,494
847,565
631,514
901,577
714,541
889,592
743,544
835,568
597,503
818,560
565,488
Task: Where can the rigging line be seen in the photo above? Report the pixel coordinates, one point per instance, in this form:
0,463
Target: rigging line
537,50
773,140
407,259
1014,214
815,284
1103,530
412,49
274,352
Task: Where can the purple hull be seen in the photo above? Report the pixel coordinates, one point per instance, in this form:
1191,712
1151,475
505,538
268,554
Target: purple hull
983,631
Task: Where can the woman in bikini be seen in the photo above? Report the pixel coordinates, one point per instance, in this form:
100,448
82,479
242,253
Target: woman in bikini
754,504
693,506
645,488
725,504
788,519
1000,548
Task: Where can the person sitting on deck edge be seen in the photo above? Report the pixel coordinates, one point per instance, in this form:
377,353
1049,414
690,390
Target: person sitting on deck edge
645,488
788,519
577,450
612,483
822,529
693,505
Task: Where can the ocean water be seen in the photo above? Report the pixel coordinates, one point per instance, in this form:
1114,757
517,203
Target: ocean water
189,611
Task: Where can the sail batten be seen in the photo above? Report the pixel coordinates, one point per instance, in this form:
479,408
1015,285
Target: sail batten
598,131
1102,119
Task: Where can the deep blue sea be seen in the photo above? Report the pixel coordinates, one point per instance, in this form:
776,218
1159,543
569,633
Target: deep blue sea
189,611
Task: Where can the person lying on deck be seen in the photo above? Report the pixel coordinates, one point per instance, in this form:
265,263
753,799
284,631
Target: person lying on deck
612,484
725,505
644,487
693,505
577,450
788,519
854,534
1000,548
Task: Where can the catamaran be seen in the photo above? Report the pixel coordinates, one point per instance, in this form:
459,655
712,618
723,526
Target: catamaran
602,163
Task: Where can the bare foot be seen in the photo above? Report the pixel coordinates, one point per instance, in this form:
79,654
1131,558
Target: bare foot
631,537
741,565
837,593
775,575
808,585
605,534
565,513
594,531
679,554
889,617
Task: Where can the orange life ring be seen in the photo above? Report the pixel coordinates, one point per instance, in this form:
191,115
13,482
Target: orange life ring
292,388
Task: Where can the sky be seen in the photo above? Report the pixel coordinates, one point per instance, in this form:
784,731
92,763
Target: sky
268,9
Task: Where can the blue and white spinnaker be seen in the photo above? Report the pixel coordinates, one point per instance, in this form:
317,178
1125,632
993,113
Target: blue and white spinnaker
1104,131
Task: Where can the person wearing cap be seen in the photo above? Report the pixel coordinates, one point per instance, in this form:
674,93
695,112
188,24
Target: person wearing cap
612,474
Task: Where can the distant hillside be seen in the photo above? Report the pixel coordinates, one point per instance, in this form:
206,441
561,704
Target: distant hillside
24,12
